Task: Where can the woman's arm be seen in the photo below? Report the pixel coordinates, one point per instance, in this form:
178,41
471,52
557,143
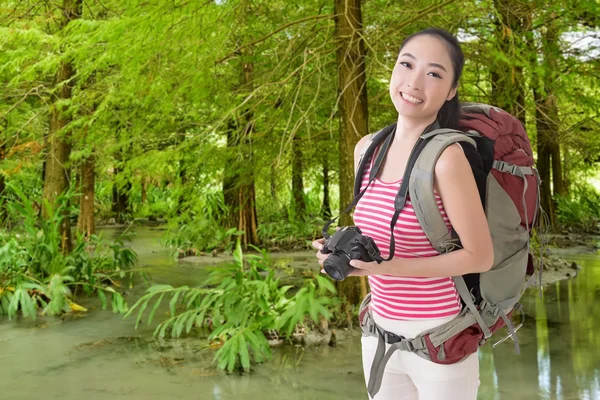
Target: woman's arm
458,190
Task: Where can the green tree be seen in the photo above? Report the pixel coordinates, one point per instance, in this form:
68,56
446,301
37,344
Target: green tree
57,174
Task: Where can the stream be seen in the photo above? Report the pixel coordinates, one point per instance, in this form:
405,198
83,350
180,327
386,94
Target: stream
98,355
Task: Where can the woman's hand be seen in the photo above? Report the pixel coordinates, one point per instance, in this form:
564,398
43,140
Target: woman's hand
318,245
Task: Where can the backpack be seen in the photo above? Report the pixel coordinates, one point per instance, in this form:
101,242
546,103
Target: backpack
501,158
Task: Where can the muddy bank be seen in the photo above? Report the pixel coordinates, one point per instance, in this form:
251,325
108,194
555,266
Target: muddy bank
562,247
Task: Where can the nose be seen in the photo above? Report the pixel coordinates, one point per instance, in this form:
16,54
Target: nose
415,82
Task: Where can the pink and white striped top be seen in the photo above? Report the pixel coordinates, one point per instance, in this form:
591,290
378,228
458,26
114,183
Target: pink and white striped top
396,297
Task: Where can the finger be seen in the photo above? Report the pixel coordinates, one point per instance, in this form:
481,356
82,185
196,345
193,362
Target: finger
321,256
318,244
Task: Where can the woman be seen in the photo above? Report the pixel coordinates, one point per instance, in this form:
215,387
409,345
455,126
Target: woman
414,291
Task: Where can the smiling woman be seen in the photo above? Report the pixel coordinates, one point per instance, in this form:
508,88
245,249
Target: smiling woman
412,290
426,75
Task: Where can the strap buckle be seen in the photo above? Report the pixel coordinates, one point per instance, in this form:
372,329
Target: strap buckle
392,338
487,307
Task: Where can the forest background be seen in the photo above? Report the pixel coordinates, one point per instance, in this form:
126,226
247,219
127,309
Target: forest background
236,121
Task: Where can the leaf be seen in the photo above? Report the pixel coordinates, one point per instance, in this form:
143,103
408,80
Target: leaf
76,307
14,303
159,288
140,313
163,328
232,354
173,303
190,321
179,325
257,349
28,307
238,255
156,305
243,352
325,283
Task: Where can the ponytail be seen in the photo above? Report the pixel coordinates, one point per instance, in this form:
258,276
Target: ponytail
449,114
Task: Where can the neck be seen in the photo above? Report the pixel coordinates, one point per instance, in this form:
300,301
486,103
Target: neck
409,130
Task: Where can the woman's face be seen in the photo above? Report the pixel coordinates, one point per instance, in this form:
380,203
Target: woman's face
422,79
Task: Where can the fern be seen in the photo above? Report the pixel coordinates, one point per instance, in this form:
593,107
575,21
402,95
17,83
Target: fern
238,302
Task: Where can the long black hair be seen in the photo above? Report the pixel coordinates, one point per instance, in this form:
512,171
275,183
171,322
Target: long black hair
449,114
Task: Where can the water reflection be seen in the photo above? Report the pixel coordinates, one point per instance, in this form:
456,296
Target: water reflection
560,347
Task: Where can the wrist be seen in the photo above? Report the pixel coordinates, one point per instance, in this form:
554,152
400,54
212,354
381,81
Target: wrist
391,267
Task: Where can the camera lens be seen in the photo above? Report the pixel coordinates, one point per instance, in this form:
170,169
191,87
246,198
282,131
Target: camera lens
337,267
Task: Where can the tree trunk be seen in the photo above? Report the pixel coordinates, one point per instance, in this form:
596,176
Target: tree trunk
326,208
508,91
544,157
231,174
549,104
144,189
547,121
353,111
299,203
120,192
181,204
273,184
56,177
3,214
85,223
238,183
558,185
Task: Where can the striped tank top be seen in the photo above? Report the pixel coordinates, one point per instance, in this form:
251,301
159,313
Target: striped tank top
396,297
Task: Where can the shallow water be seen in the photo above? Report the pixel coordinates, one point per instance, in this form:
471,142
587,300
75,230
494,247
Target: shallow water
100,356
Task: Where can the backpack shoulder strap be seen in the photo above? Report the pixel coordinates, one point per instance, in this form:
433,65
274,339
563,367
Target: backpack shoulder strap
421,189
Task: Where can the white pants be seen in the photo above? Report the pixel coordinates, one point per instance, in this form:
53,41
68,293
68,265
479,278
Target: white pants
410,377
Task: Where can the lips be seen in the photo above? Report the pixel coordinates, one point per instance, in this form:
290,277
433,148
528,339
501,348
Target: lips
410,99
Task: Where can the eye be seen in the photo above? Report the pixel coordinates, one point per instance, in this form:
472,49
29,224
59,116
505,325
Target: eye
435,75
405,64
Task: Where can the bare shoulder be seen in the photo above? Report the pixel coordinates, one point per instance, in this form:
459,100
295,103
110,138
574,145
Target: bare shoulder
452,162
360,145
359,148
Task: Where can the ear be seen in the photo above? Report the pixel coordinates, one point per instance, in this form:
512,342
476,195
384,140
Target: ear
452,93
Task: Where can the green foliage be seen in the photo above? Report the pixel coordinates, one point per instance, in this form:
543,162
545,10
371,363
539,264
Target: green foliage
580,209
286,234
238,304
202,234
36,273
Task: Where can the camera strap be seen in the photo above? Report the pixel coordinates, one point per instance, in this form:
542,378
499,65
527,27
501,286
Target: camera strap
400,200
374,172
401,196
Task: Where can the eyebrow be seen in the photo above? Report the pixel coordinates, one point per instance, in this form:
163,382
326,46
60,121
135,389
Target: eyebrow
431,64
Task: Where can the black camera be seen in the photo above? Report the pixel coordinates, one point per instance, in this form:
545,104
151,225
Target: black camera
345,245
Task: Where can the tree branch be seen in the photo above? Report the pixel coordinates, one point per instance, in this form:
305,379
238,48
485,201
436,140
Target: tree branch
236,51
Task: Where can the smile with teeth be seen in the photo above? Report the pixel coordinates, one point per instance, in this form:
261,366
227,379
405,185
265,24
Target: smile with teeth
410,98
